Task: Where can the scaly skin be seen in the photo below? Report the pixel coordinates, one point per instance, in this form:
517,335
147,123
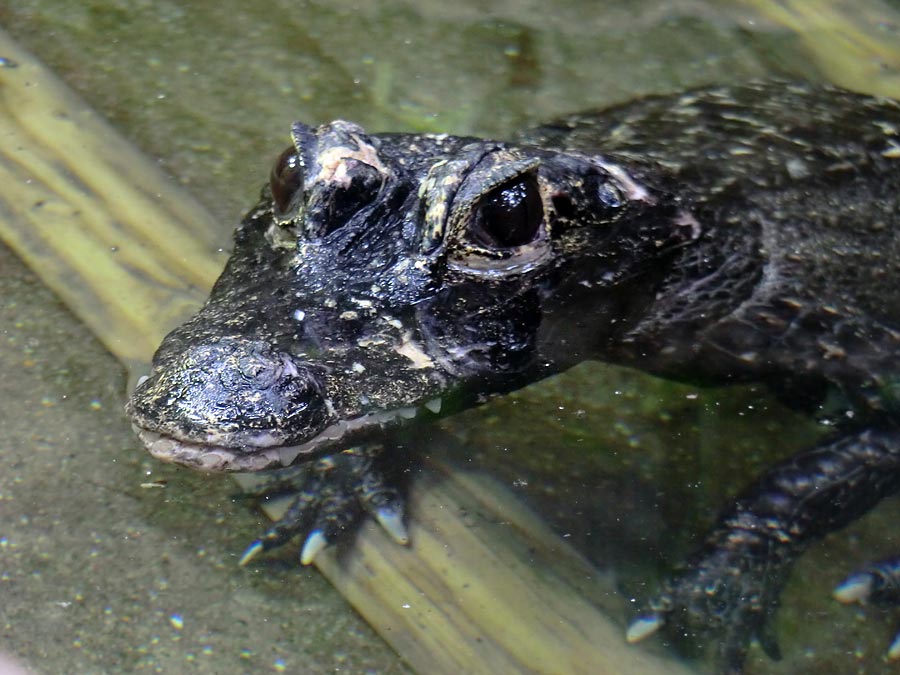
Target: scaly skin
729,234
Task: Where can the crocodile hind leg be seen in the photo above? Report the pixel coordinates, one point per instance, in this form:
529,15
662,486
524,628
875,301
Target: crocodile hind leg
730,587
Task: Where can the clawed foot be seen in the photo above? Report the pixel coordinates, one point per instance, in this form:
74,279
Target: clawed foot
331,495
732,586
723,594
734,598
877,584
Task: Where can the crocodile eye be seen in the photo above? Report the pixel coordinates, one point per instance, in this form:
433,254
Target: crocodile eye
286,179
509,215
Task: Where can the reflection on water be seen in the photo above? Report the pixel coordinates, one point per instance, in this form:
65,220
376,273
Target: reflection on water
630,469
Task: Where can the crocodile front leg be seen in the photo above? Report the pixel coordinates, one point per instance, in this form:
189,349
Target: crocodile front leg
731,586
329,497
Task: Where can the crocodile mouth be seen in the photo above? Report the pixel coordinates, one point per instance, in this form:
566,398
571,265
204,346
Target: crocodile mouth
210,457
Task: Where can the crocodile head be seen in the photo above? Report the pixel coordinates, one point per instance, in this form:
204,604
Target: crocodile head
384,278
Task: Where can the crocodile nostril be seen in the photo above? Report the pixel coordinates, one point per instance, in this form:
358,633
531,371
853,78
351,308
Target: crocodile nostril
259,372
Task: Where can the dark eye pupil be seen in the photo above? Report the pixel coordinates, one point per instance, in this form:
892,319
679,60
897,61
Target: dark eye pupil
286,179
510,215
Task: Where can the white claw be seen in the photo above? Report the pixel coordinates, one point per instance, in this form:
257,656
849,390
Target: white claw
313,545
856,588
392,522
251,552
894,650
643,627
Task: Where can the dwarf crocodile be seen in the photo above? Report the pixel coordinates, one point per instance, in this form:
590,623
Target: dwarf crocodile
725,234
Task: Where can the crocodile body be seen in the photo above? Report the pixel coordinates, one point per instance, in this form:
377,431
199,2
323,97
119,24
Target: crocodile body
726,234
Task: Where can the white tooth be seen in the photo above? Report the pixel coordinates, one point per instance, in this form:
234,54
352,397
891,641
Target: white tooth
434,405
407,413
142,379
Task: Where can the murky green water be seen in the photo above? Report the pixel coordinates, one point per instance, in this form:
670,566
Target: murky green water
98,575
